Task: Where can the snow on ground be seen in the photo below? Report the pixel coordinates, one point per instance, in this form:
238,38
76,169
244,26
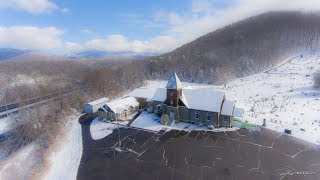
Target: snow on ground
148,121
65,162
21,163
152,122
284,96
100,129
4,125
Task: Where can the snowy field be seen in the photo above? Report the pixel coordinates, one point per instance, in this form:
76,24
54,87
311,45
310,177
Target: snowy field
284,96
21,163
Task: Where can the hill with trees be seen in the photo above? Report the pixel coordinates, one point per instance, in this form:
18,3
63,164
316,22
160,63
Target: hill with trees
239,49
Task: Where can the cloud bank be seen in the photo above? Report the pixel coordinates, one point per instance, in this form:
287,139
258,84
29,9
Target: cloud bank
29,37
35,7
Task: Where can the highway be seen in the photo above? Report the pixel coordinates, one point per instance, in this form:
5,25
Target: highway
14,107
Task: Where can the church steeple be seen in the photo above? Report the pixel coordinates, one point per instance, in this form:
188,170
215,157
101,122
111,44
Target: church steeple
174,82
174,90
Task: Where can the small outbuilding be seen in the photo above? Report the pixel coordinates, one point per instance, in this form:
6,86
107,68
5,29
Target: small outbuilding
119,109
94,106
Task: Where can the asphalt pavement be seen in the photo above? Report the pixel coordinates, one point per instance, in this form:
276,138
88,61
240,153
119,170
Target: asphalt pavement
242,154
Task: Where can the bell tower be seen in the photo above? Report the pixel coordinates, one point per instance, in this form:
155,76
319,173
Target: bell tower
174,91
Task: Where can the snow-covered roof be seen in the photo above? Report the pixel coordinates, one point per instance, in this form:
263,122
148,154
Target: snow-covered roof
99,101
205,100
119,105
160,95
174,82
238,112
143,93
227,108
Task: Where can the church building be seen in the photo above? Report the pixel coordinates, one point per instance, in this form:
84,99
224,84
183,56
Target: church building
199,106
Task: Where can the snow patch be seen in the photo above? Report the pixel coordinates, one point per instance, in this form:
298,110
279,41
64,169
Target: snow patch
20,164
100,129
4,125
148,121
65,163
152,122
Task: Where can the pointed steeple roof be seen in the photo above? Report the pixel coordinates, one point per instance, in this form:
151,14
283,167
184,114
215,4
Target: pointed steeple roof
174,82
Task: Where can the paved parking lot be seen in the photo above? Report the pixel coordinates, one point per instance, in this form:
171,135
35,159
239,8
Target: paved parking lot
184,155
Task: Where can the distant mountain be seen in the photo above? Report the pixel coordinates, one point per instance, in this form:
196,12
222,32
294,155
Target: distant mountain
11,54
98,54
239,49
145,55
6,53
35,56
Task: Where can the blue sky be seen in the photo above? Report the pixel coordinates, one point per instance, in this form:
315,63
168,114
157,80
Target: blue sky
100,17
65,26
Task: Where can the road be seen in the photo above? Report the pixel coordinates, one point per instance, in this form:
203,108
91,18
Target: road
14,107
200,155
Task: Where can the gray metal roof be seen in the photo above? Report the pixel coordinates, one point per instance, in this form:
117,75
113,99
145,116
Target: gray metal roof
174,82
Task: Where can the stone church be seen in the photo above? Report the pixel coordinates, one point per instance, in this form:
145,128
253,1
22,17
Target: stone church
199,106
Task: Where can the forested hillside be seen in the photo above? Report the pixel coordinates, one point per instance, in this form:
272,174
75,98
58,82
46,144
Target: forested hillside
239,49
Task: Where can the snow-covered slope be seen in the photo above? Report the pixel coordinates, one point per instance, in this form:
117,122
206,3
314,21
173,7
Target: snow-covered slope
284,96
65,161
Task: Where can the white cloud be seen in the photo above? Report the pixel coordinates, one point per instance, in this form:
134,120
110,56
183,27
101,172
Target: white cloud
72,46
65,10
121,43
86,31
174,18
29,37
31,6
110,43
